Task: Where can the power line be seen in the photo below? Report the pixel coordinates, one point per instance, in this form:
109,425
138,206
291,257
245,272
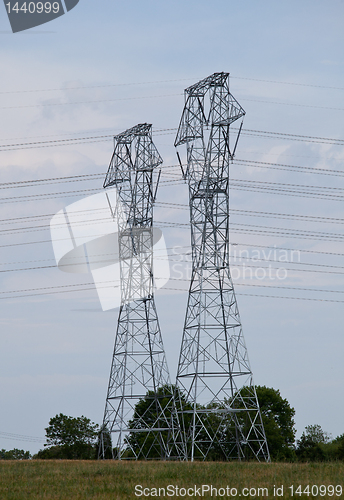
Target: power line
279,189
292,233
65,142
87,177
303,233
92,86
290,298
21,437
284,189
249,132
43,291
322,290
245,213
52,180
281,103
62,179
287,249
307,191
283,233
184,207
170,259
287,83
268,232
235,256
296,137
89,102
275,261
270,296
289,168
255,213
57,141
83,87
281,248
33,197
288,185
242,228
292,104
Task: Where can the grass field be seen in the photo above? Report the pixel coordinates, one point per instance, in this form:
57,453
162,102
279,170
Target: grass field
76,480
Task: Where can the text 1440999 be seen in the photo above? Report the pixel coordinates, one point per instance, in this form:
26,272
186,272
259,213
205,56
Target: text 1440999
33,8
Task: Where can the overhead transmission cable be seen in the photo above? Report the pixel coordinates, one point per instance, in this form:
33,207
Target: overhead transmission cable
88,177
300,190
43,291
170,259
83,87
95,138
286,83
21,437
184,207
74,103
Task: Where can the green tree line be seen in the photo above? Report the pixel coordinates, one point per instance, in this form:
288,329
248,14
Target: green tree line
78,438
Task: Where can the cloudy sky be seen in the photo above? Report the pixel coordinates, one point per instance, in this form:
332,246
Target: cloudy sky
68,86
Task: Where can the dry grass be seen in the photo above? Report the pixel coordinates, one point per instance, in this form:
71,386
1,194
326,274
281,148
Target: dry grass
76,480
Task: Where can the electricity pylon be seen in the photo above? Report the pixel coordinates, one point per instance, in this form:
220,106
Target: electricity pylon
139,372
223,419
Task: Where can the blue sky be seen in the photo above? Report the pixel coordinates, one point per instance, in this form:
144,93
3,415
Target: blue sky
115,64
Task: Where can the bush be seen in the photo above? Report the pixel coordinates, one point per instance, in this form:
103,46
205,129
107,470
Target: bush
14,454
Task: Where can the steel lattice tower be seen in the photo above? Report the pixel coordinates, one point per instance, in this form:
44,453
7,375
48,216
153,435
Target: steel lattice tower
139,362
223,420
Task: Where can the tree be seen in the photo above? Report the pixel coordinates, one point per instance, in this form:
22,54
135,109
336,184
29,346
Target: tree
316,435
338,444
316,445
215,433
154,444
278,421
334,449
277,416
104,445
310,447
70,438
14,454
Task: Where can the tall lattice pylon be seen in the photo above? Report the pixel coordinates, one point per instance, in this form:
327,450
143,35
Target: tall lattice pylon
222,419
139,413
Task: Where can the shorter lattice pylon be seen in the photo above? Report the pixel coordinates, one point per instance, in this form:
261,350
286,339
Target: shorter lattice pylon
140,413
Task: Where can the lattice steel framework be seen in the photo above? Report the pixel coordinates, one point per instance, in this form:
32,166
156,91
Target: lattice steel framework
139,362
223,420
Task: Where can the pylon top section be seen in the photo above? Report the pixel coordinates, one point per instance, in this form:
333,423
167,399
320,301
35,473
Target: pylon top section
214,80
223,110
126,137
134,151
